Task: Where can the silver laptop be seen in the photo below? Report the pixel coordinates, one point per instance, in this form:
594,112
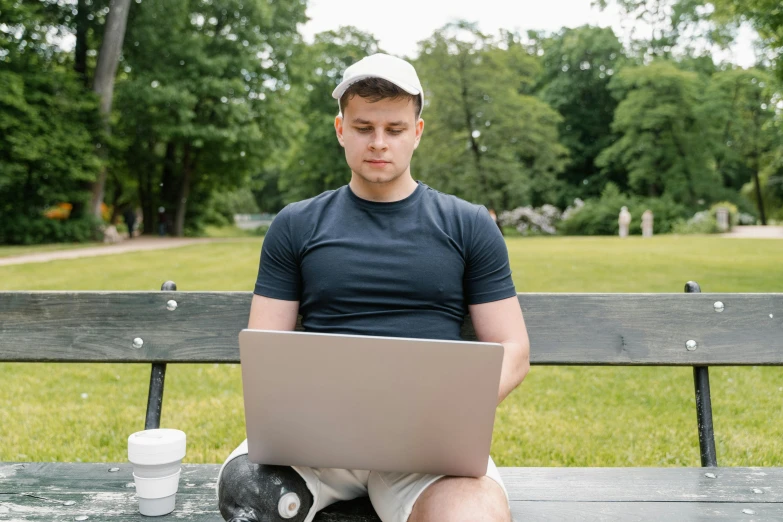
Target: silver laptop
371,403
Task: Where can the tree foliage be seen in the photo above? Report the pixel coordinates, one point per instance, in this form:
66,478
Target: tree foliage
205,90
660,136
578,65
220,99
484,140
48,129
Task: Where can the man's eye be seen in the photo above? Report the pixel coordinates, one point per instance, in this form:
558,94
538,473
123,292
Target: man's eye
395,131
364,129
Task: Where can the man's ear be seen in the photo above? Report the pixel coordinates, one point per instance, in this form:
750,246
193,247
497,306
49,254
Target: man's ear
419,131
338,128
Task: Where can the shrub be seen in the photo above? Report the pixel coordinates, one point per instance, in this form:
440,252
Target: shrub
701,223
24,230
260,231
223,205
598,216
529,220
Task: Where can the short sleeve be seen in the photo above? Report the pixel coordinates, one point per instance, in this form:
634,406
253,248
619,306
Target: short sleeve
487,271
278,271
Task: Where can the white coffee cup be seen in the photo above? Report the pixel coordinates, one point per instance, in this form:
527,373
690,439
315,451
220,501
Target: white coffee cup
156,456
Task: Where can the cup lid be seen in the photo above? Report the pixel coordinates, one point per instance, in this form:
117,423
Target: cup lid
159,446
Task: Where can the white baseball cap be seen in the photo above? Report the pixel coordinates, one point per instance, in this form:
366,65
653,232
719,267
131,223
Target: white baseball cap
396,70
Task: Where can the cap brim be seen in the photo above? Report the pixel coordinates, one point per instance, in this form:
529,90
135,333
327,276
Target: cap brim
340,89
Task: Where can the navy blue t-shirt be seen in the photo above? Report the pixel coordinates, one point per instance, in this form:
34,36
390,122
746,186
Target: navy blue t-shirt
408,268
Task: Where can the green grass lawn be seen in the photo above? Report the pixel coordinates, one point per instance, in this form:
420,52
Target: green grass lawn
560,416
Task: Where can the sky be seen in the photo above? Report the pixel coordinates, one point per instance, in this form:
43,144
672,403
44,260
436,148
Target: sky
399,25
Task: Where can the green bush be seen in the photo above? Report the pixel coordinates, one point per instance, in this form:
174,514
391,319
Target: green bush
598,217
223,205
260,231
701,223
23,230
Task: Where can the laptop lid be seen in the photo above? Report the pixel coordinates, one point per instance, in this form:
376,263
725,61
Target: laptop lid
372,403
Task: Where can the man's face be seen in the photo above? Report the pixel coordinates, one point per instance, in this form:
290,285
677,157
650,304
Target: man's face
379,138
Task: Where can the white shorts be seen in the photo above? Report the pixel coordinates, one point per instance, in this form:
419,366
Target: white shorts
392,494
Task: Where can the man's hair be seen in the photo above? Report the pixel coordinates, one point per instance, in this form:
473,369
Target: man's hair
375,90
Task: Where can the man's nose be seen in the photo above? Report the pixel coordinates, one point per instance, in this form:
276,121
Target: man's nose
378,142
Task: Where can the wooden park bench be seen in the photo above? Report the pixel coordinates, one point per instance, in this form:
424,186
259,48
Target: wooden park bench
689,329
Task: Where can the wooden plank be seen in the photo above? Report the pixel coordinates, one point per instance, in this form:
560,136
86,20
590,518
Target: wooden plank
101,494
124,506
51,477
536,493
595,329
643,511
749,485
101,326
108,506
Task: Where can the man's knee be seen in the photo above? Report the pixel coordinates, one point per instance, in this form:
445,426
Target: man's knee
250,492
462,499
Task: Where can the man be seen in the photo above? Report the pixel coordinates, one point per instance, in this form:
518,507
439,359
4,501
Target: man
384,255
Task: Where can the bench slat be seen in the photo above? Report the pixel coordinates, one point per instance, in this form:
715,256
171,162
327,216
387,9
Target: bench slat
642,511
523,484
536,493
122,507
644,484
101,494
595,329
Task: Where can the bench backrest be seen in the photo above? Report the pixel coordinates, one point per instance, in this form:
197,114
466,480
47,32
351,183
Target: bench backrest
573,329
690,329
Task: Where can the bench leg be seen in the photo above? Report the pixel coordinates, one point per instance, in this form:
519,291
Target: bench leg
701,384
155,396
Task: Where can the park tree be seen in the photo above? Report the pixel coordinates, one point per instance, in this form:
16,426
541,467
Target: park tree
740,108
668,28
764,16
578,65
484,140
203,93
48,127
660,136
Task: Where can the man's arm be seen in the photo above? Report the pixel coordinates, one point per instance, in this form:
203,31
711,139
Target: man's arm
502,322
272,314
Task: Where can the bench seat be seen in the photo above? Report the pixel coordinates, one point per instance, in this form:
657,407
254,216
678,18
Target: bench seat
545,494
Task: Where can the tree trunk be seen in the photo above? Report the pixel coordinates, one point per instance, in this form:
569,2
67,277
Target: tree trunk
184,191
759,200
145,194
80,61
474,146
168,189
108,58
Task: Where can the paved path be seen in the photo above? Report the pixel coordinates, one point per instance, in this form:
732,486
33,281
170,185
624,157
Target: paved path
134,245
757,232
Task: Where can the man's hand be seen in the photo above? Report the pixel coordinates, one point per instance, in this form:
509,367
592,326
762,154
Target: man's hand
502,322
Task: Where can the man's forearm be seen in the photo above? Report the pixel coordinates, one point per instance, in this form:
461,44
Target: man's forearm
516,364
